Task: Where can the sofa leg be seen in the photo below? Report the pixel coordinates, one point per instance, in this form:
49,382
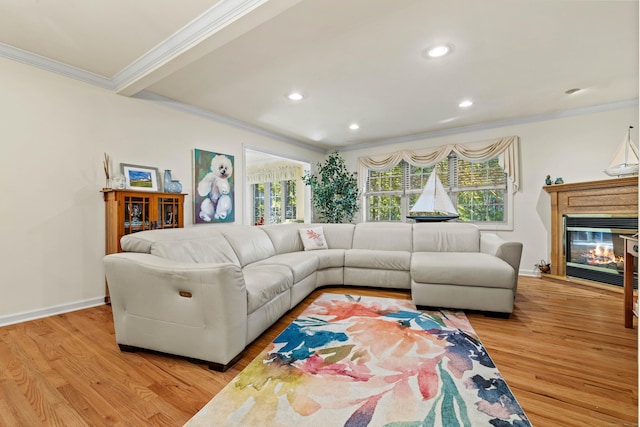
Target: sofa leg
222,368
427,308
497,315
128,348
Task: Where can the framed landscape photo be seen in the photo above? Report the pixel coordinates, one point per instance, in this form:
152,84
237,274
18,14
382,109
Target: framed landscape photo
141,178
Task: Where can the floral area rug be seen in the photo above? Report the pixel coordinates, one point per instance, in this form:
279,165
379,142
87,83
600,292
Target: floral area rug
366,361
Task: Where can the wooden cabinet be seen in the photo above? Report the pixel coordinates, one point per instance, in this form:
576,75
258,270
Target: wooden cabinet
130,211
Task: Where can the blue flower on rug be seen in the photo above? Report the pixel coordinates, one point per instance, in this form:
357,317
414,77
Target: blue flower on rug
303,337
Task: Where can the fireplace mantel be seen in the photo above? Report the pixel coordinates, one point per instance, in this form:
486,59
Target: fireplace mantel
608,196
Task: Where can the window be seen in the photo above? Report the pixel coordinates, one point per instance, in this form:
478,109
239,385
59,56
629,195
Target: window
280,203
478,190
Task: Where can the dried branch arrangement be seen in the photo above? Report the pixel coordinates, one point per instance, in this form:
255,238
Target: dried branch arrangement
106,166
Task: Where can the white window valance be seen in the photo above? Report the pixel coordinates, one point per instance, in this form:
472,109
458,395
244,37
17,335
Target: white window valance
471,152
274,172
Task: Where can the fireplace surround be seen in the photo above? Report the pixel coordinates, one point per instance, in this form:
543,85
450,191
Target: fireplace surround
610,197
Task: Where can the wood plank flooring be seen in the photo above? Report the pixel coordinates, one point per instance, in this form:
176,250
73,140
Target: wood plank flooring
564,352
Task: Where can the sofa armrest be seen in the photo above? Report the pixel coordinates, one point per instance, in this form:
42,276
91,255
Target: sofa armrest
197,310
511,252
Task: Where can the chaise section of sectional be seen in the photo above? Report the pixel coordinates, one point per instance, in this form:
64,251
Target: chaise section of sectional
451,267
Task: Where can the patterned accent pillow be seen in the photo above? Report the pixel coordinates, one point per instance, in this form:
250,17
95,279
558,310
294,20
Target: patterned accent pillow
313,238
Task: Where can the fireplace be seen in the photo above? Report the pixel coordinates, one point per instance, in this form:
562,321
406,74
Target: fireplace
617,197
594,248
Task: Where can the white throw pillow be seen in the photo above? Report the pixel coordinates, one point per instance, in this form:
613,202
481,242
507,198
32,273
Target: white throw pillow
313,238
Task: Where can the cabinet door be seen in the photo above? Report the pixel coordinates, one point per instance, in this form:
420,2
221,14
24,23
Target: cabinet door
136,213
169,212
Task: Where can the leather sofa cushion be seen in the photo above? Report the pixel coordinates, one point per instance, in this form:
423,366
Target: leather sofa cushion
142,241
377,259
461,268
301,264
446,237
330,258
338,236
264,283
395,279
285,237
250,243
209,250
384,236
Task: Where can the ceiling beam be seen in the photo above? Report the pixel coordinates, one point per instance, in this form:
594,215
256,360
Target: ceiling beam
203,35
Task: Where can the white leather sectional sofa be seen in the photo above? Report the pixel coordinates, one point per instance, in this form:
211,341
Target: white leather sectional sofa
207,292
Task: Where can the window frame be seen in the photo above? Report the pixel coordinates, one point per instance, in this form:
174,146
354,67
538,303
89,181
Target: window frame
282,197
404,193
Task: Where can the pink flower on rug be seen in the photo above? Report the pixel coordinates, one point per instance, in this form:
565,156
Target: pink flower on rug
392,339
316,365
341,310
428,379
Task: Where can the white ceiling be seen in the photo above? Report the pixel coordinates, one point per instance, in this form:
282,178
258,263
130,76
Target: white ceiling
354,60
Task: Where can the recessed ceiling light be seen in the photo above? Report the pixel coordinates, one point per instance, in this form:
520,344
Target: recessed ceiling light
572,91
466,103
438,51
295,96
354,126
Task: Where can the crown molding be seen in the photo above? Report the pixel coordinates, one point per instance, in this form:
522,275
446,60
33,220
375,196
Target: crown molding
497,124
190,109
19,55
29,58
211,21
204,26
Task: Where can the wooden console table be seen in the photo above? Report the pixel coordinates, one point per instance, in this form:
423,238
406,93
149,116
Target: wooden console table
630,252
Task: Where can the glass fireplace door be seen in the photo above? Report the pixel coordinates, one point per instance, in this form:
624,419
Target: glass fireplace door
595,250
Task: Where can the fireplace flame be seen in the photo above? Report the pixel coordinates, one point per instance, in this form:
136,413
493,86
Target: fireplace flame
602,255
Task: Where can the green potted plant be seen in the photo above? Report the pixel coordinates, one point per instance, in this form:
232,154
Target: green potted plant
334,190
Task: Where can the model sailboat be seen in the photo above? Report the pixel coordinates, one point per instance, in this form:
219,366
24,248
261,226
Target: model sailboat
625,161
434,203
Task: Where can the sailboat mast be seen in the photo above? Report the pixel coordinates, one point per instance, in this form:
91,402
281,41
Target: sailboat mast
626,146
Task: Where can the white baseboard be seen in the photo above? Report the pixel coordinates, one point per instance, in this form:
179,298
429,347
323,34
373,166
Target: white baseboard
49,311
529,273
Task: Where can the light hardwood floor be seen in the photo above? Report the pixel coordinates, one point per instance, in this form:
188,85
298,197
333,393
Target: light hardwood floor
564,352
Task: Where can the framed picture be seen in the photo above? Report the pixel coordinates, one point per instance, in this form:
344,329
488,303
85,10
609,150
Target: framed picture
141,178
213,187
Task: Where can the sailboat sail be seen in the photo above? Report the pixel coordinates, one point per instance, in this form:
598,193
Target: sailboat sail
625,160
434,199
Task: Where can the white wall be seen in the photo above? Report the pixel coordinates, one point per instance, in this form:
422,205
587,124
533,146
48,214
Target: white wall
576,148
54,131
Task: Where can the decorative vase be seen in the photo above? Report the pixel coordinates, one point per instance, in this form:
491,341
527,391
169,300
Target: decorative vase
118,182
167,180
175,187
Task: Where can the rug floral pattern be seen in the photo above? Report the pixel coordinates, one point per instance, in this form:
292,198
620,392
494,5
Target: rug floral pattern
366,361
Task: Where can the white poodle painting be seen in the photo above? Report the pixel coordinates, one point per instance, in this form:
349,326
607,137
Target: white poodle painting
213,187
